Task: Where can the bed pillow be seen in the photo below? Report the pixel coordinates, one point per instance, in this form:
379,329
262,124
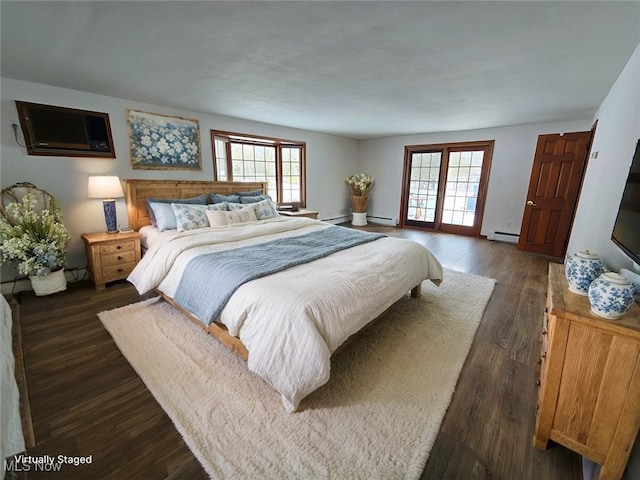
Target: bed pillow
190,217
217,198
199,200
253,198
219,218
263,209
254,193
164,218
218,206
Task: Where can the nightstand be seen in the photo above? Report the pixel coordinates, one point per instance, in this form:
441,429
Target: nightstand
300,213
111,256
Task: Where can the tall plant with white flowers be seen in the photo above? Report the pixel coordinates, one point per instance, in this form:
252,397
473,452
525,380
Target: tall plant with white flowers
36,240
360,185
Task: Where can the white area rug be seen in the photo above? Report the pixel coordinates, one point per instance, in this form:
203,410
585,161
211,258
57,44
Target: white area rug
378,416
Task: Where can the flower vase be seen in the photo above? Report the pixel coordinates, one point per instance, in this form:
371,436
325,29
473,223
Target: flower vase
359,219
611,295
581,269
49,283
359,208
359,203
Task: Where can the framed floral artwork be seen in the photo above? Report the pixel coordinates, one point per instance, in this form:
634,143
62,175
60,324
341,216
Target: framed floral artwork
163,142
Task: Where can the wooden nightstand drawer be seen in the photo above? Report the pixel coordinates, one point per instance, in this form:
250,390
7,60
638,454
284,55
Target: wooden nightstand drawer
124,256
117,272
111,257
117,247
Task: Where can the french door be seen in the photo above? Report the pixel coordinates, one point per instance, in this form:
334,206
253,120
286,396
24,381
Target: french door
444,186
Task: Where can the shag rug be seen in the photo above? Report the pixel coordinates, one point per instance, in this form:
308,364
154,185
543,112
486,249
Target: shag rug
378,416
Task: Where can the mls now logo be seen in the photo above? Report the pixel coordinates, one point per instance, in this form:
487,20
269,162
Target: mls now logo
17,465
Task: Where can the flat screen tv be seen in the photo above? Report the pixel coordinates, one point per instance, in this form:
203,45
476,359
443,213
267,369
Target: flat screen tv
51,130
626,230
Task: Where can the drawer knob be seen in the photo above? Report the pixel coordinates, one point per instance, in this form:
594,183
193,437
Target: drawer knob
119,247
540,361
538,383
119,257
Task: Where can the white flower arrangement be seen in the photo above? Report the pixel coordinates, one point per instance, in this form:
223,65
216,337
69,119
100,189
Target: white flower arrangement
360,184
38,241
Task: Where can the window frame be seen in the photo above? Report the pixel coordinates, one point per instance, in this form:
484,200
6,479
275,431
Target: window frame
263,141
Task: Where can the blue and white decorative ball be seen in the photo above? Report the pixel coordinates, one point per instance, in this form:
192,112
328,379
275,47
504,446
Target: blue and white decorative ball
581,269
611,295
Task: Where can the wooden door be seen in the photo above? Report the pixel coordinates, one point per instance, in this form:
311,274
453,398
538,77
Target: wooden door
558,168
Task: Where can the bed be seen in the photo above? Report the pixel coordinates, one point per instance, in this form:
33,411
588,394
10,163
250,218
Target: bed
289,323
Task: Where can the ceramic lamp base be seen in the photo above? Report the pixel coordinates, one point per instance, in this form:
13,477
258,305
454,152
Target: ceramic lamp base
110,215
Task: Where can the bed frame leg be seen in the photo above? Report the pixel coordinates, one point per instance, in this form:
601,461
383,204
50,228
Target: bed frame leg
415,291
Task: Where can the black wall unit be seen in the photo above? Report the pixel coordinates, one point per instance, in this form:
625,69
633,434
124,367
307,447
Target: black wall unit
51,130
626,230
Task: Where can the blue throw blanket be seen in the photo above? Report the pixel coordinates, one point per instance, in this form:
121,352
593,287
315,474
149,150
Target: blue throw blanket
210,279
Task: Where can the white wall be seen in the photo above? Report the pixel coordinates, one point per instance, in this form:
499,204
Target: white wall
615,140
513,153
330,159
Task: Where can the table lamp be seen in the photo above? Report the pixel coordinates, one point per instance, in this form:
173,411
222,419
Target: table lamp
108,188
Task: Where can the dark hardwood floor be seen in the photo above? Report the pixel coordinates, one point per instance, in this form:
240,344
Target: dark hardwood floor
87,400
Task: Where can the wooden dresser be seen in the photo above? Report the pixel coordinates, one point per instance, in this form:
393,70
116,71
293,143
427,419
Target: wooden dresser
589,387
111,256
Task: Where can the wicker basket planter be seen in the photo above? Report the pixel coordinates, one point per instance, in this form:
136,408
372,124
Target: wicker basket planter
47,284
359,203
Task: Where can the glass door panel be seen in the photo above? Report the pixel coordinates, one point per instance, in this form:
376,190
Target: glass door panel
463,183
423,188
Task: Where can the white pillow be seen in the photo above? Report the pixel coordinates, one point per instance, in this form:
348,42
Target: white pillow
263,209
190,217
163,216
220,218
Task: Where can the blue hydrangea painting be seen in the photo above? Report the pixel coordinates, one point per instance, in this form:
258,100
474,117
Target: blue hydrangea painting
160,142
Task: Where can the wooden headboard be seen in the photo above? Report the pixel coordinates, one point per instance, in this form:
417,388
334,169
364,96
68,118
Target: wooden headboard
137,192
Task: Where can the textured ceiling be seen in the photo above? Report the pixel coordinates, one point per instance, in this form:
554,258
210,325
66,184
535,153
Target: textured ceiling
356,69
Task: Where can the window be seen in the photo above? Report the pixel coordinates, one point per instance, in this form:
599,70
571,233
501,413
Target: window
240,157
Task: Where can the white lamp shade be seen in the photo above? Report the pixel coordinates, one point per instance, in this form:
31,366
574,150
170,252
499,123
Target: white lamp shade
105,186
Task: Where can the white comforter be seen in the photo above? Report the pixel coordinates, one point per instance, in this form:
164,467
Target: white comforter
292,321
11,436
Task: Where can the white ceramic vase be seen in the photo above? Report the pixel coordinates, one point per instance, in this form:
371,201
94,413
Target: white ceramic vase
359,219
611,295
50,283
581,269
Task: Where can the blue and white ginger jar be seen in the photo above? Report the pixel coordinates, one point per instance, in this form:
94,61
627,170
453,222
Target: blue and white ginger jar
581,269
611,295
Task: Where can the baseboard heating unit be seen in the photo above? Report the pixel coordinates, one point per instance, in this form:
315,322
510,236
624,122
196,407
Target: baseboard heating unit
392,222
505,237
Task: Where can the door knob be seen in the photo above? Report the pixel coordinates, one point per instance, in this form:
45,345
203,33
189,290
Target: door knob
530,203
